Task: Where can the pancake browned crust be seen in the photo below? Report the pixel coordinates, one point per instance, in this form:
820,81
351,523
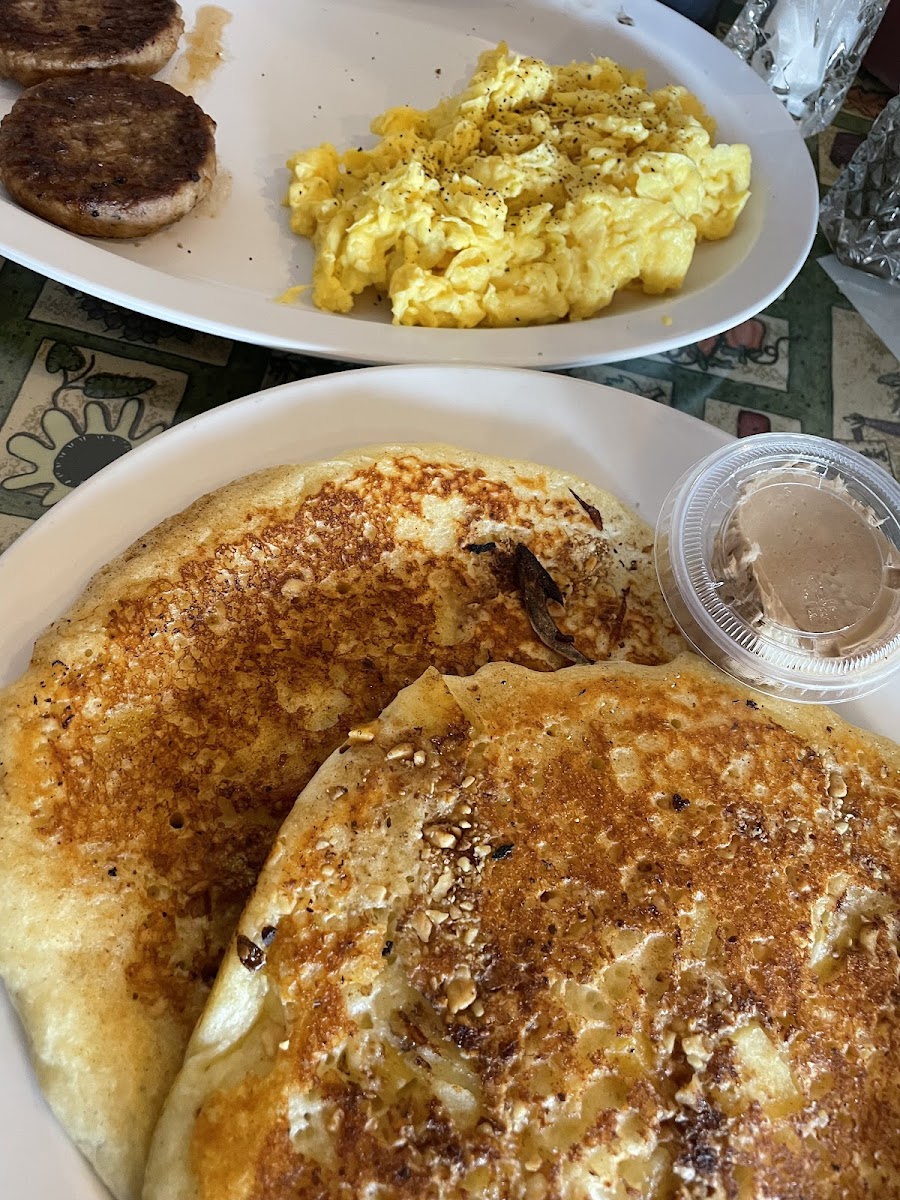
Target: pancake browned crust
107,155
168,723
617,931
41,39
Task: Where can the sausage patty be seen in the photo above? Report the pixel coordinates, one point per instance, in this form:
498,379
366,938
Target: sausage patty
107,155
40,39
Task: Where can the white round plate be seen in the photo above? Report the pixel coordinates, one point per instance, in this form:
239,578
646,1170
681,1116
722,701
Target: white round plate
632,446
296,74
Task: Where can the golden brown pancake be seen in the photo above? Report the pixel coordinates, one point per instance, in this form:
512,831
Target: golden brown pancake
169,721
617,931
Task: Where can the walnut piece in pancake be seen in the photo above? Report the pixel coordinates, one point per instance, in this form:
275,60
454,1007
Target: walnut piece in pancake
169,721
616,931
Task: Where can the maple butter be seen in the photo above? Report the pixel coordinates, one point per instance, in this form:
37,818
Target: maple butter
800,555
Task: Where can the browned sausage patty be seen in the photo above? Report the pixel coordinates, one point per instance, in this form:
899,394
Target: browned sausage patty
107,155
40,39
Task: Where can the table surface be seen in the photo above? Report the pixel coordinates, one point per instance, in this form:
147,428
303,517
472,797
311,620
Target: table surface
82,380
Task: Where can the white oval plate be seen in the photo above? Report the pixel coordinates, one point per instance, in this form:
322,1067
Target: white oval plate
632,446
296,74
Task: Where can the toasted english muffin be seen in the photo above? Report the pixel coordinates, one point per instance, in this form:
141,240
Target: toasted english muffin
107,155
616,931
42,39
169,720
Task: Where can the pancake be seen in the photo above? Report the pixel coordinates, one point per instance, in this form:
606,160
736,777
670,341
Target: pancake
617,931
169,721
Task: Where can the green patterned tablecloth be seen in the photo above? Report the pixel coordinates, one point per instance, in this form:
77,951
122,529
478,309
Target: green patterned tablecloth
83,381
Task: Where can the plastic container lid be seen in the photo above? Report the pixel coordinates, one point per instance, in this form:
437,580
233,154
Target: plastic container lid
779,556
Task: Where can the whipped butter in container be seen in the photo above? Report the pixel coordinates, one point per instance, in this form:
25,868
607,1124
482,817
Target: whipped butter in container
779,556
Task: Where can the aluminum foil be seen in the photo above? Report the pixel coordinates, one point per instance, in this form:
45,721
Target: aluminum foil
808,51
860,215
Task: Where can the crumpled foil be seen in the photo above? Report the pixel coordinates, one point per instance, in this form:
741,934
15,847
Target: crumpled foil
808,51
860,215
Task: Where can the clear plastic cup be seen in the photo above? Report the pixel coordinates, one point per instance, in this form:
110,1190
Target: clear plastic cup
720,596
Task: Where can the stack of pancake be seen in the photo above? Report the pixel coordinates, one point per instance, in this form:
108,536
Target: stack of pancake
507,894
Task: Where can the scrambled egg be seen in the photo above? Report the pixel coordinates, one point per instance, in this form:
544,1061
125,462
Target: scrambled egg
532,196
